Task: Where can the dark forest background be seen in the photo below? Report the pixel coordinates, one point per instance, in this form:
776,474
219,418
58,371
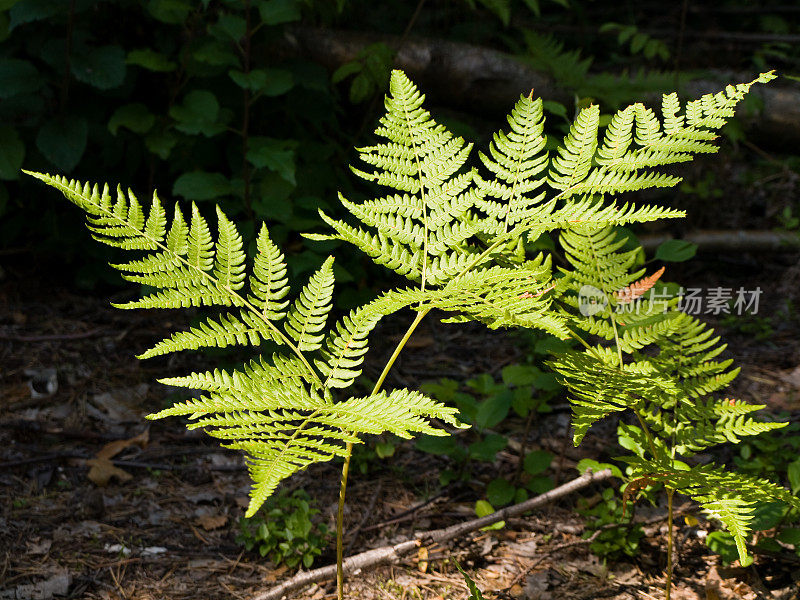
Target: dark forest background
256,104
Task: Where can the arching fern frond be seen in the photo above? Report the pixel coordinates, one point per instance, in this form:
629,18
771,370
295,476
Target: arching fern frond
422,231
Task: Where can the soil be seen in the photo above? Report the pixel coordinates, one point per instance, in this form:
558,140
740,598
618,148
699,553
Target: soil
97,502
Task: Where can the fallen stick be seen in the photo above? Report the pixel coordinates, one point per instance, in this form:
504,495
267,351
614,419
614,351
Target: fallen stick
741,240
394,554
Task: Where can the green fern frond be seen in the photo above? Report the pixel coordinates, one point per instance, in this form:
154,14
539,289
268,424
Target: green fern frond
424,161
269,284
515,158
574,159
725,496
308,313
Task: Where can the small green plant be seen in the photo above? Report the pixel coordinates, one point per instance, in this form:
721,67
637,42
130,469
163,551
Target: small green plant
525,391
283,530
455,234
474,592
608,524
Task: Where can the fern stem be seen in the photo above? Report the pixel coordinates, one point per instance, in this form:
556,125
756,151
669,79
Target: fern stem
340,524
668,587
349,453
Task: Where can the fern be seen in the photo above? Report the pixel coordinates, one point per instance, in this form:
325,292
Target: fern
457,234
661,365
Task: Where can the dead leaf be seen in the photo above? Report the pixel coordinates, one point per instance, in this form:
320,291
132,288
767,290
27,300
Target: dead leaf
636,290
102,470
209,522
111,449
422,555
38,547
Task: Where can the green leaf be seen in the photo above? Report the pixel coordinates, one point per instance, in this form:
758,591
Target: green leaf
482,509
269,82
160,143
537,462
494,409
150,60
793,473
437,445
520,374
200,185
474,592
28,11
62,141
385,449
103,68
347,69
540,484
722,543
587,463
486,450
173,12
273,155
231,26
198,114
12,152
18,77
135,117
790,535
676,251
500,492
277,12
216,54
767,515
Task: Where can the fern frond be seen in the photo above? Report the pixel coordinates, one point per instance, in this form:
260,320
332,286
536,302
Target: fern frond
431,217
187,267
269,284
574,159
285,427
515,158
725,496
308,313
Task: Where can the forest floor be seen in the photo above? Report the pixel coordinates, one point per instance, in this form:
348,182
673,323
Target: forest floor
164,525
96,502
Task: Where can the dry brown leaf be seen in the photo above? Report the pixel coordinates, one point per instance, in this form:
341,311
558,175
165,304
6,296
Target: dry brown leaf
102,470
111,449
422,555
636,290
209,522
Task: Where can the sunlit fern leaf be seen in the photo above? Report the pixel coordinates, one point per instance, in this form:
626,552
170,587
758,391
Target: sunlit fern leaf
424,228
346,343
598,387
186,267
229,265
515,159
725,496
287,427
269,284
308,313
574,159
227,330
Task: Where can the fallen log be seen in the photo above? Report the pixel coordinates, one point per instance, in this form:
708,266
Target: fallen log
482,80
731,240
395,553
